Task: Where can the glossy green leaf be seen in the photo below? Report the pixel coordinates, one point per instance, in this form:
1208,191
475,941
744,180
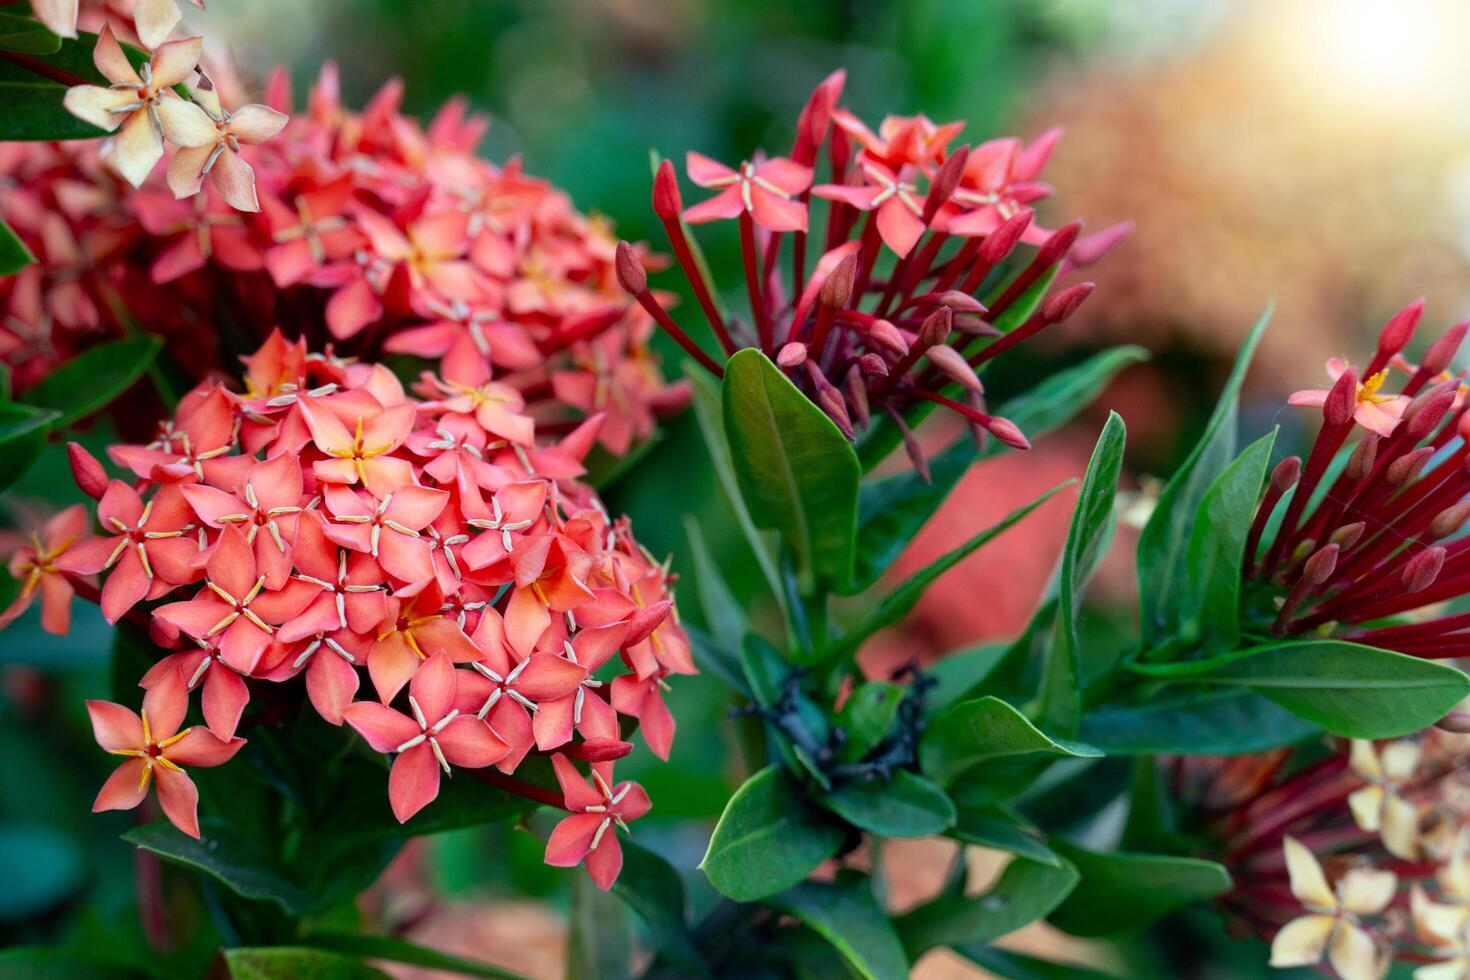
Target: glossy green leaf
225,856
1088,537
1121,892
22,437
710,416
1163,544
1223,722
908,805
845,913
1349,689
1210,611
897,604
767,840
30,105
959,675
1026,891
92,379
402,951
295,963
1016,966
972,732
796,470
50,963
866,717
891,510
26,35
14,255
996,827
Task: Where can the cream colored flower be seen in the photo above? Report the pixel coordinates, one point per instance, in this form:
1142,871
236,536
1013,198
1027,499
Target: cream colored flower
1332,923
59,16
154,19
1379,807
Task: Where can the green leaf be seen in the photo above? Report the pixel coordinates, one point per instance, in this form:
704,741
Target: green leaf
1225,722
26,35
796,470
599,946
891,510
1026,891
901,600
1349,689
972,732
14,255
22,437
866,717
998,828
847,916
295,963
1014,966
1121,892
92,379
716,658
49,963
767,840
225,856
958,675
1162,555
30,105
906,806
651,887
709,414
402,951
1087,539
722,613
41,866
1210,611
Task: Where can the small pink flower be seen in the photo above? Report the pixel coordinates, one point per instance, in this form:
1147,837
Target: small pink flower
35,566
211,146
389,529
764,190
1374,412
900,140
898,204
437,735
156,750
415,630
589,833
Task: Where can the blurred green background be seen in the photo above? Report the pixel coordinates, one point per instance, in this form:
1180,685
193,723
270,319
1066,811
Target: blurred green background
1314,152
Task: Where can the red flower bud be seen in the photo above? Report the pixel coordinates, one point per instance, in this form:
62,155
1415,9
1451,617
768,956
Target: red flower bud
889,336
1348,535
667,202
1450,520
1066,302
1286,473
1001,242
1091,248
872,365
1342,400
1319,568
1006,431
1365,453
1443,350
1429,409
961,302
945,181
936,327
1056,247
1407,466
791,355
1423,569
89,474
631,274
857,388
1397,332
952,364
837,290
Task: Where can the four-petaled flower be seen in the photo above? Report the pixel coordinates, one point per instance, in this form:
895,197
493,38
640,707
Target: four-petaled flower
764,190
900,211
588,833
210,142
35,566
1332,925
156,751
1380,806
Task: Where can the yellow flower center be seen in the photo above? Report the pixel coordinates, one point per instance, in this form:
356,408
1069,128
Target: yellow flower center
1368,390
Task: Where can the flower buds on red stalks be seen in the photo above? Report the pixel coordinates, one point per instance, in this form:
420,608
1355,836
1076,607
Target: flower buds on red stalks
1369,845
423,568
374,234
1403,490
962,242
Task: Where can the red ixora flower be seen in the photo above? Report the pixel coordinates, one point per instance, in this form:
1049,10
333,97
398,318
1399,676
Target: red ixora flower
1356,549
590,834
35,566
859,341
318,525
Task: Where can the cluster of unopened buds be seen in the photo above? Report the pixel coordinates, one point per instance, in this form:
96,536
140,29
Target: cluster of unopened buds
363,231
1377,536
887,316
1358,856
324,521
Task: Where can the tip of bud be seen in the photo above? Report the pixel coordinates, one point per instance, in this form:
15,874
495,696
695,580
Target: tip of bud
936,327
1429,409
873,365
1348,535
89,474
667,202
1407,466
1091,249
1286,473
1055,248
1399,329
631,274
952,364
1443,350
945,181
961,302
1320,566
1342,399
1423,569
1450,520
1006,431
1001,242
791,355
837,290
1365,453
1066,302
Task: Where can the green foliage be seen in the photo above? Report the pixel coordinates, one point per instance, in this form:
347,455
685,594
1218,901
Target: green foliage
401,951
796,470
866,717
1220,722
1026,891
295,963
48,963
92,379
972,732
14,255
1001,829
1163,547
845,914
651,887
908,805
768,839
23,431
30,104
1087,539
26,36
1119,891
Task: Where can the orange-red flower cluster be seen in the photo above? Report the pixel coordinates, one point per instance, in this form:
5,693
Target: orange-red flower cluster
361,230
323,522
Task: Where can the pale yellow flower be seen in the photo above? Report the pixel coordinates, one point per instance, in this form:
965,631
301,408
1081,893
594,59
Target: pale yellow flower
1332,924
1379,807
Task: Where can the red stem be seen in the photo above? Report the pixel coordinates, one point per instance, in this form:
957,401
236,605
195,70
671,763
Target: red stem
494,777
685,257
764,329
37,67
